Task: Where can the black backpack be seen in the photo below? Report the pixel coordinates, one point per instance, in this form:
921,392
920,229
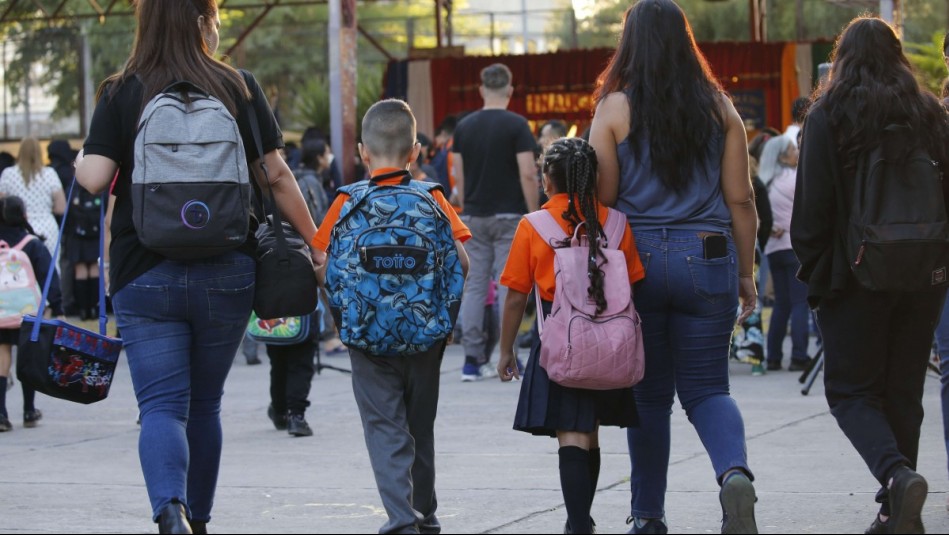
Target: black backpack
898,233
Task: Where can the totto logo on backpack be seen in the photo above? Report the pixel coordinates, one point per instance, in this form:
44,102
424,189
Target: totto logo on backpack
393,275
19,292
191,188
578,347
898,232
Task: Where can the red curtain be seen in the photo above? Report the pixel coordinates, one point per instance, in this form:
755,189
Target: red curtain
540,78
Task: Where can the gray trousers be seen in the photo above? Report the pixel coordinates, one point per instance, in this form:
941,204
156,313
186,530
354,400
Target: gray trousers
487,250
397,399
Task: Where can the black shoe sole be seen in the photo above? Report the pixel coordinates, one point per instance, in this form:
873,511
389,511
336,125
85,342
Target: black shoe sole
907,503
738,505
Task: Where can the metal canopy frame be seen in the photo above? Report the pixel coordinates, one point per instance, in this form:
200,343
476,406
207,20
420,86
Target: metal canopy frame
94,9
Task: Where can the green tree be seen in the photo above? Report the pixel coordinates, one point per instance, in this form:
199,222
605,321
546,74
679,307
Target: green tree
928,61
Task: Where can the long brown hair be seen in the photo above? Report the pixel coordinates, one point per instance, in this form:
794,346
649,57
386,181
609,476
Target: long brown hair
674,99
170,47
871,84
29,159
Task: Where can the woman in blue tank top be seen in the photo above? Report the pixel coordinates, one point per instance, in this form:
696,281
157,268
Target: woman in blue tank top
673,156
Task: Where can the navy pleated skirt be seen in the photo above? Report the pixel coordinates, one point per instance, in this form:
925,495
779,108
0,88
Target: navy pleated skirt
545,407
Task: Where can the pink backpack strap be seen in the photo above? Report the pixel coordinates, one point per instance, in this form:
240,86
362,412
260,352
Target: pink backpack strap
549,231
615,228
546,226
23,242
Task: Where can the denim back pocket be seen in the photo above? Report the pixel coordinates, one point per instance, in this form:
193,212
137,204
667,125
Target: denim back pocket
714,278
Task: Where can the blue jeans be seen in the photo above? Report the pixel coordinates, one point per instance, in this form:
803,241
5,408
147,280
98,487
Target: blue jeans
688,307
790,302
942,347
182,324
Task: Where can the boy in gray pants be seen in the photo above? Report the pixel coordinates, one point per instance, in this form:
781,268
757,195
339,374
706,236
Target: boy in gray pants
397,396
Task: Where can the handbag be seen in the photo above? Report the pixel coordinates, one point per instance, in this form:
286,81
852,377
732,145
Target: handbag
286,282
279,331
62,360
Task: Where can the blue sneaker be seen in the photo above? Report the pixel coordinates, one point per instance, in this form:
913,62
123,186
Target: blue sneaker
470,373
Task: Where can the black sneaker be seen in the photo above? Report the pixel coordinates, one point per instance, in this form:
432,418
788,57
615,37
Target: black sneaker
878,527
774,366
5,424
652,525
798,365
297,426
279,421
738,505
30,418
569,530
908,492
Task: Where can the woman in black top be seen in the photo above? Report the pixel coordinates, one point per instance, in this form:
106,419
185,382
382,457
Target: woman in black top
876,343
181,321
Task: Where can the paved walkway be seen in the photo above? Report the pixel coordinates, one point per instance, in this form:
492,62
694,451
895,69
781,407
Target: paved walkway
78,471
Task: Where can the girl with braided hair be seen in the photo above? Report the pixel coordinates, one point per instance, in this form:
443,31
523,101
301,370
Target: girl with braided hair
546,408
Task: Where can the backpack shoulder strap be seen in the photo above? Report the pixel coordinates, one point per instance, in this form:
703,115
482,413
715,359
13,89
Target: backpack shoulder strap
546,226
615,228
26,239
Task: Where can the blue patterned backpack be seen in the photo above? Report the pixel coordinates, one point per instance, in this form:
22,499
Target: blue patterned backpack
394,277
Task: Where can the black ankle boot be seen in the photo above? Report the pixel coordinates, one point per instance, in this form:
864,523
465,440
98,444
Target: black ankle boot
172,519
199,528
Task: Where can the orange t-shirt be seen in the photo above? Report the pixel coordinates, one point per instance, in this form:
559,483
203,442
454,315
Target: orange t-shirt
531,259
322,239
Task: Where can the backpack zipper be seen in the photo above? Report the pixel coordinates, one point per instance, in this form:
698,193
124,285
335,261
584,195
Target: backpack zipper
570,328
863,249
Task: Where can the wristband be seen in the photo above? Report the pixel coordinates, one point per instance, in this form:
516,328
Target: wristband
746,276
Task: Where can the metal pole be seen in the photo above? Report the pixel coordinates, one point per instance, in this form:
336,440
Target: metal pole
6,110
342,46
493,52
524,24
438,23
87,106
799,19
575,40
754,34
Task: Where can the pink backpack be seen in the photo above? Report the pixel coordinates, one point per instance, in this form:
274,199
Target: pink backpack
19,292
579,349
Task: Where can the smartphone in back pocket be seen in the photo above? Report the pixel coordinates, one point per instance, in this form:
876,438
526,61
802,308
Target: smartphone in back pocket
715,246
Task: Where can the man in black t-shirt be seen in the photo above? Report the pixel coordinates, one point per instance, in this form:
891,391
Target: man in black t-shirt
496,184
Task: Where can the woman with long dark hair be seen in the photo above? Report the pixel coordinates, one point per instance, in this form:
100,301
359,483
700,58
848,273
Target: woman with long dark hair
182,321
876,343
673,157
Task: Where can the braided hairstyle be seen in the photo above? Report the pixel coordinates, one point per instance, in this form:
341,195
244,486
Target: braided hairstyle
570,164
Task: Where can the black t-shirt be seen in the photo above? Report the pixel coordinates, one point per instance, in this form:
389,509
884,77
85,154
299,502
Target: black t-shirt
112,134
489,141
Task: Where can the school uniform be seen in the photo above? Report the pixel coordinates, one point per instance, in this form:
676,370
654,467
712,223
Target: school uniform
545,407
397,399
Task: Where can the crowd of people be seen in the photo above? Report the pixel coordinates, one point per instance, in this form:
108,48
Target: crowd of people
709,218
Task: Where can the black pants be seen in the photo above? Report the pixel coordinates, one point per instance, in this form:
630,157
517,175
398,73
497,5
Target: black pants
291,372
877,346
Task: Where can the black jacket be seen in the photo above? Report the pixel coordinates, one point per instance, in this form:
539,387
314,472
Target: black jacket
822,208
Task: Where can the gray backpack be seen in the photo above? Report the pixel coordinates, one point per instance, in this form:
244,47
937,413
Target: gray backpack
191,191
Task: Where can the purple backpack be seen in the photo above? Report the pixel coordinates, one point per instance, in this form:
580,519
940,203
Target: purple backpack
580,349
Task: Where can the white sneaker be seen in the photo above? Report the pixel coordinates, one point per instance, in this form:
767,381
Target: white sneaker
488,371
470,373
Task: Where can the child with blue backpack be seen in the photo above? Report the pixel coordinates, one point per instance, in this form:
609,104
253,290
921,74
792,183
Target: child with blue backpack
16,233
395,273
546,408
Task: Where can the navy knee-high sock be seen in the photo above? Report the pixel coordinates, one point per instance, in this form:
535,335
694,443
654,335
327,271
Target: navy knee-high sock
575,484
29,396
3,396
594,470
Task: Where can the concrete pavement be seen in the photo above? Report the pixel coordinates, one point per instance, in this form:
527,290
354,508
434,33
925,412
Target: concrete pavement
78,471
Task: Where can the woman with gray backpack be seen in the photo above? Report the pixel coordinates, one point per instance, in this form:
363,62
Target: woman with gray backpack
183,247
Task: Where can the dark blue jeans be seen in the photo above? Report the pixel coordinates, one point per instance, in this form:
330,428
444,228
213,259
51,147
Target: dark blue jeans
790,302
182,324
688,307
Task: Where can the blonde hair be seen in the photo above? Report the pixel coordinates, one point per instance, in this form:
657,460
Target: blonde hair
29,159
